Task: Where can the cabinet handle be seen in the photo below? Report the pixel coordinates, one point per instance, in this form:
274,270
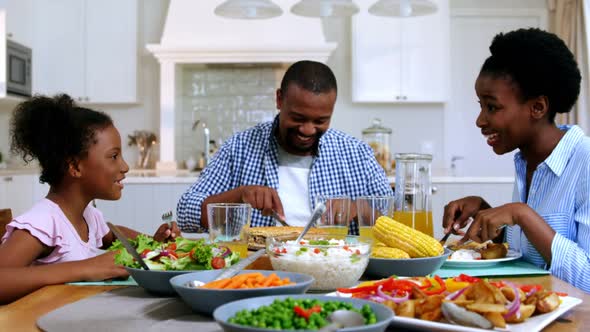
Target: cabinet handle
87,99
9,35
434,190
397,97
8,179
404,97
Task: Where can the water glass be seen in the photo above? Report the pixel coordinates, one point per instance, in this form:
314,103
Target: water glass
227,223
336,219
369,208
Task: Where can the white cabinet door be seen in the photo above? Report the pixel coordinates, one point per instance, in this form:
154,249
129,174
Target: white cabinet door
19,21
58,48
87,49
18,193
401,59
142,205
111,51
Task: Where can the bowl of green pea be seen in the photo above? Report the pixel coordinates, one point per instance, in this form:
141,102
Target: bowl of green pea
298,312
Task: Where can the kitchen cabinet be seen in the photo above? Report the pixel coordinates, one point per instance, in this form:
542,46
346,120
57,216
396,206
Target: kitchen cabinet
143,204
20,192
401,60
19,27
87,49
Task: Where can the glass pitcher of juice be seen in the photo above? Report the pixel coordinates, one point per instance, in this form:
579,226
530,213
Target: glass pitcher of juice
413,191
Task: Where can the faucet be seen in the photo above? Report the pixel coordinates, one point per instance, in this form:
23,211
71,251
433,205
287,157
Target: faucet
206,135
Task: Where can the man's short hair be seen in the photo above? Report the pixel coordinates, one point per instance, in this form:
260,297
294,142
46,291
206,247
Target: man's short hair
310,75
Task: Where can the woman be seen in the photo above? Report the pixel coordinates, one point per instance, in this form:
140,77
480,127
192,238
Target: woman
529,78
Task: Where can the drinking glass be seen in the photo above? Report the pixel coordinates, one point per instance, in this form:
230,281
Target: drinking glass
413,191
336,219
227,223
369,208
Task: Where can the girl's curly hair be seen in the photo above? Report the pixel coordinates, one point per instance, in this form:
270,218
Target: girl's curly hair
55,131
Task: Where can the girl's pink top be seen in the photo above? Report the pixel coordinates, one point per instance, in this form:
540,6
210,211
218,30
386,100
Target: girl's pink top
47,222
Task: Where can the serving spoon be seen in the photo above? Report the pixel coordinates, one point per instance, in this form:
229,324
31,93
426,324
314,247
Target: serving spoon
320,208
342,319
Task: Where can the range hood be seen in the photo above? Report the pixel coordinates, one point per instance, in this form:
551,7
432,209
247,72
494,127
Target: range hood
193,34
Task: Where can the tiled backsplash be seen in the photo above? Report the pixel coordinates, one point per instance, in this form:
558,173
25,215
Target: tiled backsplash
227,98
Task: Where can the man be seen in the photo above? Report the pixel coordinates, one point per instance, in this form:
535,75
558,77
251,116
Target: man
283,165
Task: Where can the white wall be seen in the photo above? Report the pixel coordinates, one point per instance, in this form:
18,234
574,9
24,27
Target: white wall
412,125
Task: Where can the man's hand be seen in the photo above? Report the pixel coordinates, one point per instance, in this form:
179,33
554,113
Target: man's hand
262,198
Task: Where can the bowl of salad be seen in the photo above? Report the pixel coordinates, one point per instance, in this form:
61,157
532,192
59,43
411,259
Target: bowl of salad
170,259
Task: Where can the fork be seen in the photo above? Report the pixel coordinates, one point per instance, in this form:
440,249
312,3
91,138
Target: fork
167,218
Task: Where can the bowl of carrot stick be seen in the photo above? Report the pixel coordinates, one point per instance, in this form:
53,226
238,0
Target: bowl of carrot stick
204,294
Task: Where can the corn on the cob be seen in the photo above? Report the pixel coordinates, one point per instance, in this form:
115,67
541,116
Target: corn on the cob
388,252
397,235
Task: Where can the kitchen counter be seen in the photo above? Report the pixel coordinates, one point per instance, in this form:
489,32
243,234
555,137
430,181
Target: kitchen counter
184,176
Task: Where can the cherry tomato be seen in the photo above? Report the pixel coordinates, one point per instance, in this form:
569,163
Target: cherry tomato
217,263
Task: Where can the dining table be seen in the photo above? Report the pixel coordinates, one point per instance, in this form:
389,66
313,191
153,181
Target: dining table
22,315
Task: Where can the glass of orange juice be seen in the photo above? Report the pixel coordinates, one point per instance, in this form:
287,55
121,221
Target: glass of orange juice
227,223
369,208
336,219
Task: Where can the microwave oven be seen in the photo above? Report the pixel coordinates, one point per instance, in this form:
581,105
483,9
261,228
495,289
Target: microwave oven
18,69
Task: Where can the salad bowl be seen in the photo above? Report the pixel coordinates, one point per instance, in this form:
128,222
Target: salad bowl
167,260
206,300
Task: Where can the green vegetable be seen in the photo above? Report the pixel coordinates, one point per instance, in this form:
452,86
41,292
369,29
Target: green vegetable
300,314
319,242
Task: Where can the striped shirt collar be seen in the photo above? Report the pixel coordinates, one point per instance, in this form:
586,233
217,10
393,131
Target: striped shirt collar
560,156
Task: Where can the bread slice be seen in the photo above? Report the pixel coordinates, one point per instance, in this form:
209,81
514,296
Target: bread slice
257,235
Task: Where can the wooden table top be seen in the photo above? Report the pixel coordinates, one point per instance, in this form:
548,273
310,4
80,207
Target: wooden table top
22,315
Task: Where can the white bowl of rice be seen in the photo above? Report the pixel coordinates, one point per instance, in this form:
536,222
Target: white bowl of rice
334,261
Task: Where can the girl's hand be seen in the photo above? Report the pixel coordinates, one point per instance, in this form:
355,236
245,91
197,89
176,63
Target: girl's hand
457,213
488,224
167,233
102,267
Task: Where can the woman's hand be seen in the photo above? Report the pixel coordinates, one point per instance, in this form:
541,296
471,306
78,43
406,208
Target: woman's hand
167,232
487,224
102,267
457,213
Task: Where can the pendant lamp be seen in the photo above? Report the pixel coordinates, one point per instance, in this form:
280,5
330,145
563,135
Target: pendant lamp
403,8
325,8
248,9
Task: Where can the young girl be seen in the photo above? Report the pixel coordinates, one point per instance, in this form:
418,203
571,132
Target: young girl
59,239
529,78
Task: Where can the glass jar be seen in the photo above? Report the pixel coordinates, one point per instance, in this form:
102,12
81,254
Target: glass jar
379,137
413,191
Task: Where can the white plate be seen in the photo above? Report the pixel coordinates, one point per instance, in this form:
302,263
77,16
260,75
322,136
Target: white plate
533,324
510,256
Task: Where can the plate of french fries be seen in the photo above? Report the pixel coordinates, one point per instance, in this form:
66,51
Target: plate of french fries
464,303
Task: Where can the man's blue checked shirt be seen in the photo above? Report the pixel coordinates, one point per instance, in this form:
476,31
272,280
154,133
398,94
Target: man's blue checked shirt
344,165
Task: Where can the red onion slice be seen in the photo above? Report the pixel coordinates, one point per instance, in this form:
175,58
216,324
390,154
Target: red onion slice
397,300
514,306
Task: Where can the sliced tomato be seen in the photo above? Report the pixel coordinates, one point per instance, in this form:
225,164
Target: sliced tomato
171,246
145,252
217,263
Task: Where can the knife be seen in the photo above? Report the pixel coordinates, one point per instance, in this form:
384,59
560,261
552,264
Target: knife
235,269
127,245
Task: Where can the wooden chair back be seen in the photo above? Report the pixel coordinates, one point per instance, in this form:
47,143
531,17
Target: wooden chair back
5,218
